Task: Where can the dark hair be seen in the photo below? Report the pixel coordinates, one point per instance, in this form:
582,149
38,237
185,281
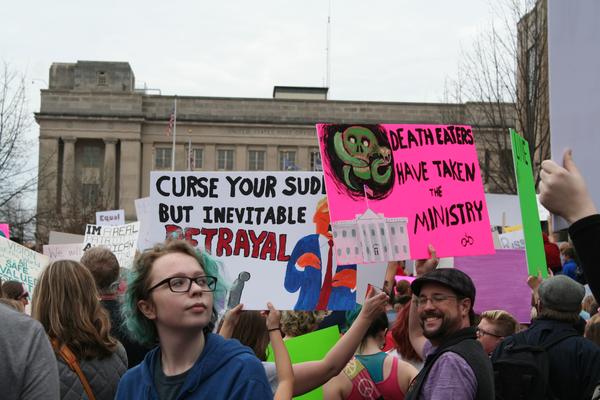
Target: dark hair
378,325
13,290
103,265
251,331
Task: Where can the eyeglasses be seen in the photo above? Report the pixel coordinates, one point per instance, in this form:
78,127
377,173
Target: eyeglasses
481,333
435,299
183,284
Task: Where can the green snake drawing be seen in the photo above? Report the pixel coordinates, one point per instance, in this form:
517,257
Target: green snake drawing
363,157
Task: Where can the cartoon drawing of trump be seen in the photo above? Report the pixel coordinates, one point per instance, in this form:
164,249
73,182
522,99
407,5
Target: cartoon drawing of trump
311,270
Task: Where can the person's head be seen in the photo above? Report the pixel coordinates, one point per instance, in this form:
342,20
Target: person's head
560,299
251,330
104,266
65,301
16,291
592,329
297,323
376,332
590,305
567,251
14,304
401,337
171,290
493,327
445,300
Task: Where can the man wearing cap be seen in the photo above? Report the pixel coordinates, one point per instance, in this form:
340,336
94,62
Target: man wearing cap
442,331
574,361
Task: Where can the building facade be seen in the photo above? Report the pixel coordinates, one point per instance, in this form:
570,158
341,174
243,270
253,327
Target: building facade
100,137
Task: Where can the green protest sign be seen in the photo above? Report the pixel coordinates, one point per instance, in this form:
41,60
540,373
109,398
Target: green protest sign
310,347
534,244
18,263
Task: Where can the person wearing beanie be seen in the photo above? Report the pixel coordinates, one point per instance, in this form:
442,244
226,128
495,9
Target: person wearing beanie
574,361
442,331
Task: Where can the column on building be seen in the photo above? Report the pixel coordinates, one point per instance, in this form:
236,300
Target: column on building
68,170
181,157
48,201
129,176
303,160
210,161
272,158
241,157
110,171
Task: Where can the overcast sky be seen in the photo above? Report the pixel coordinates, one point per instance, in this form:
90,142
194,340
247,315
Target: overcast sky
400,50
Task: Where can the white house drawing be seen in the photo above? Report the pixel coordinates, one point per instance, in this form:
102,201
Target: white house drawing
370,238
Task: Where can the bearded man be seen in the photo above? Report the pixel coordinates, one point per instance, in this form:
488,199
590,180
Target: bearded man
442,331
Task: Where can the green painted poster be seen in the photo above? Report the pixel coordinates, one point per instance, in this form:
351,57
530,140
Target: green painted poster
310,347
534,244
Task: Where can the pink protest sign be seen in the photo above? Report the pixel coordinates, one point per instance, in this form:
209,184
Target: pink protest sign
5,231
393,189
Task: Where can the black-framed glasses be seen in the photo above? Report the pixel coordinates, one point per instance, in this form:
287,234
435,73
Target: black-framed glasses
482,332
435,299
183,284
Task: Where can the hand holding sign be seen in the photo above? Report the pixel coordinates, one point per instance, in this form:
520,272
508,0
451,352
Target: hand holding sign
563,190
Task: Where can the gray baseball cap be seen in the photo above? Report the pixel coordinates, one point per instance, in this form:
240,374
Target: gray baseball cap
561,293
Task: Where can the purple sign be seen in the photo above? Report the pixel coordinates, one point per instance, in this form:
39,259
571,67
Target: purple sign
501,282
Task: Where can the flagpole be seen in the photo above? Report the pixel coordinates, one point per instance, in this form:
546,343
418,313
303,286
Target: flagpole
174,133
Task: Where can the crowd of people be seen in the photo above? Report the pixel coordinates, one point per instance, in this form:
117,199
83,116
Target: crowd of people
162,336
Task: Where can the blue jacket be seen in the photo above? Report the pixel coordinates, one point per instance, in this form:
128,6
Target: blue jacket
309,280
224,370
569,269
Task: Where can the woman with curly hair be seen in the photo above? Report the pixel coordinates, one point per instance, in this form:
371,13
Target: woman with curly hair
65,301
170,302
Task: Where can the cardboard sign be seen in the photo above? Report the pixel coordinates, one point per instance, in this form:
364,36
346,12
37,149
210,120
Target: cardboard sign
120,239
574,87
270,230
5,231
512,240
532,231
310,347
143,211
72,251
394,189
64,238
18,263
112,217
500,281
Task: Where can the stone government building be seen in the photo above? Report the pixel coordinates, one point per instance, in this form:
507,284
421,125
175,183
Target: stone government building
100,136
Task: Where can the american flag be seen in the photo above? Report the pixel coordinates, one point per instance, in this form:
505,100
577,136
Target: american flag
170,125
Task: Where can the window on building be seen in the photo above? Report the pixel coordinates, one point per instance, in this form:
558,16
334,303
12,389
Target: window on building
315,161
225,160
256,160
197,158
90,193
92,156
287,160
162,158
101,78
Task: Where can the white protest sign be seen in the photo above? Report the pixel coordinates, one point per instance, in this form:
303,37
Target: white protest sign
143,211
574,87
112,217
120,239
64,238
18,263
268,228
512,240
72,251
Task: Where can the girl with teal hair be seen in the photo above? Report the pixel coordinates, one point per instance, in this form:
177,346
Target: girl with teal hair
170,302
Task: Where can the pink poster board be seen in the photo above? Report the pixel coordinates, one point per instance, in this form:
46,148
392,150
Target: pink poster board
501,282
5,231
393,189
